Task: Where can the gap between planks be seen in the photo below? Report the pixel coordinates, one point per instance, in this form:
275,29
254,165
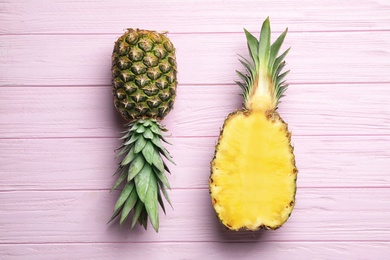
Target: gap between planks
199,33
191,188
182,137
198,242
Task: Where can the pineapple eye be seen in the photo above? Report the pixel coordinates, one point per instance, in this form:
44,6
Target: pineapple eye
145,45
170,104
124,113
165,67
156,37
162,110
171,77
154,103
164,96
138,98
126,76
154,74
132,36
116,72
150,91
160,52
117,104
124,63
130,87
136,54
172,91
168,46
118,83
150,60
172,61
140,109
161,84
142,81
123,49
138,69
120,94
126,104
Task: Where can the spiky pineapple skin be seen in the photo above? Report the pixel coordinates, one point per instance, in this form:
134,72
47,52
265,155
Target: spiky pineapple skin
144,74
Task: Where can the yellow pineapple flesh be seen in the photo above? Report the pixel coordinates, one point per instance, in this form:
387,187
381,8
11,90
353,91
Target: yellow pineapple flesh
253,173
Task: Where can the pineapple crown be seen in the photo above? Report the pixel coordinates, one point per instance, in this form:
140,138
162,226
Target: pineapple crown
264,84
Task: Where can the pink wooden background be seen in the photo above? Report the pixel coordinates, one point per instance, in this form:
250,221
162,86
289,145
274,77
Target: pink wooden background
58,127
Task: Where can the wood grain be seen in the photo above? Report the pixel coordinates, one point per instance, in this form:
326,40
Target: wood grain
41,112
315,57
319,215
88,163
198,250
93,16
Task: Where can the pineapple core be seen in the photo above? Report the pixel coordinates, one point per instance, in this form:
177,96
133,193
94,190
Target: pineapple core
254,175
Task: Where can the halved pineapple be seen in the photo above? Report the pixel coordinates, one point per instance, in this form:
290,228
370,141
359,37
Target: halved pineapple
253,173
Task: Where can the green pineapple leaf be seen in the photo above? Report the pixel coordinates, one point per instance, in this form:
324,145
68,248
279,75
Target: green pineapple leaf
128,206
151,202
264,45
155,129
253,46
161,202
119,181
132,139
135,167
148,134
124,195
129,157
123,151
165,192
148,152
140,129
122,199
139,144
163,178
143,218
137,212
278,61
275,47
158,162
142,180
149,122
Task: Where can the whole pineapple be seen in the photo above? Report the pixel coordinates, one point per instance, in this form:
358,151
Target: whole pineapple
144,89
253,173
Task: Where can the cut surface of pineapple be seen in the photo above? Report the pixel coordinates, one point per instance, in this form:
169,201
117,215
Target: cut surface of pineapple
254,174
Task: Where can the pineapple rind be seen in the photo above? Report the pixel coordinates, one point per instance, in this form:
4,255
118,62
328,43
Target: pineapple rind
142,169
144,74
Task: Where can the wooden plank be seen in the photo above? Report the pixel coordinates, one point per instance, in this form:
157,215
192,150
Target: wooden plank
202,58
200,250
352,214
23,17
40,112
88,163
